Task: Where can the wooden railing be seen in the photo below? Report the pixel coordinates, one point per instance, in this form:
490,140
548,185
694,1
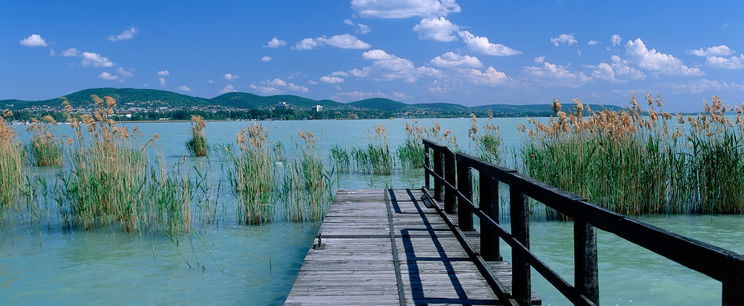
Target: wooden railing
452,180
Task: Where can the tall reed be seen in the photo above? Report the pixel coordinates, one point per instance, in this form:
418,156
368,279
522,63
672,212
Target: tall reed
376,157
12,178
637,164
411,152
307,185
252,177
45,148
197,145
488,143
341,159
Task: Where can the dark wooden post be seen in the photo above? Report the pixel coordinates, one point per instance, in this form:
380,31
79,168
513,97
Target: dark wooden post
489,204
450,198
521,280
464,186
427,182
733,292
586,273
438,170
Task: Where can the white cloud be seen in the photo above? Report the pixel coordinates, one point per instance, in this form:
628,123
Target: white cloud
71,52
228,88
125,35
350,96
274,86
490,76
563,39
95,60
361,28
702,85
266,58
592,43
107,76
34,40
652,60
331,79
210,81
616,39
339,73
343,41
619,71
482,45
403,8
163,73
450,59
184,88
230,76
439,29
275,43
124,73
720,50
731,63
388,67
555,75
162,81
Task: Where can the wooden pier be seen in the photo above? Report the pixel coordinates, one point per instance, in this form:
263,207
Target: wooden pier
386,247
420,246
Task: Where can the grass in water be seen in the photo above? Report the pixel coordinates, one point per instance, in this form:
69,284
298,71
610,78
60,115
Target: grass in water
12,178
636,164
488,142
110,180
307,186
252,176
376,157
341,159
197,145
411,152
45,148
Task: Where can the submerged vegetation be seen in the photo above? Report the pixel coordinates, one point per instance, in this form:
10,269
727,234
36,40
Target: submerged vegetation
636,164
197,145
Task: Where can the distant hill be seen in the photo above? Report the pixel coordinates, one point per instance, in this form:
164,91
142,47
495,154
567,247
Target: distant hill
149,99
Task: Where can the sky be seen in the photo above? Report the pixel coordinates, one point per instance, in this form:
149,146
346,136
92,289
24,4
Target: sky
415,51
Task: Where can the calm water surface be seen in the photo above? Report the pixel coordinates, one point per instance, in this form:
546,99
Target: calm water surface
226,263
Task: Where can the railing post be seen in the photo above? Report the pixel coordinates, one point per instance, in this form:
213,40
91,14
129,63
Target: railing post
519,212
733,292
586,273
438,170
464,186
489,204
427,182
450,176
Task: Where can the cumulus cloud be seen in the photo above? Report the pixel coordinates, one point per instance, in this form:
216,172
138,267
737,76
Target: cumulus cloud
124,73
482,45
184,88
731,63
107,76
162,81
615,39
720,50
33,40
71,52
350,96
267,90
700,86
343,41
618,71
124,35
403,8
655,61
360,28
331,79
555,75
228,88
592,43
163,73
92,59
450,59
266,58
339,73
275,43
439,29
563,39
276,85
388,67
490,76
230,76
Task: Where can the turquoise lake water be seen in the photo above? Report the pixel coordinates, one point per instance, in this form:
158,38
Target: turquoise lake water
226,263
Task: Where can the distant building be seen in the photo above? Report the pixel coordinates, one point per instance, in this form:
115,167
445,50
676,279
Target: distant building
318,108
281,105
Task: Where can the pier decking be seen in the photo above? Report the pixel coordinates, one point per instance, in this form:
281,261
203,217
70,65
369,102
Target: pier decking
386,247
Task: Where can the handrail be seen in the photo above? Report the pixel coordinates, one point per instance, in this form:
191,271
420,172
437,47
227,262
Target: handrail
718,263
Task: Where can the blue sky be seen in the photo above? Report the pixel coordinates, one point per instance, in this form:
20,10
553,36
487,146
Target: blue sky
468,52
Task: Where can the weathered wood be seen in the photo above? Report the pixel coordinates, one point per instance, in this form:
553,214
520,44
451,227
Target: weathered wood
362,262
733,292
427,164
586,270
489,203
465,187
521,280
439,170
450,197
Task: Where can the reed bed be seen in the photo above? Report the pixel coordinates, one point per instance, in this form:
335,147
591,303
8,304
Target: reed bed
341,159
307,188
487,140
411,152
45,148
197,145
636,164
12,177
110,180
252,176
376,157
